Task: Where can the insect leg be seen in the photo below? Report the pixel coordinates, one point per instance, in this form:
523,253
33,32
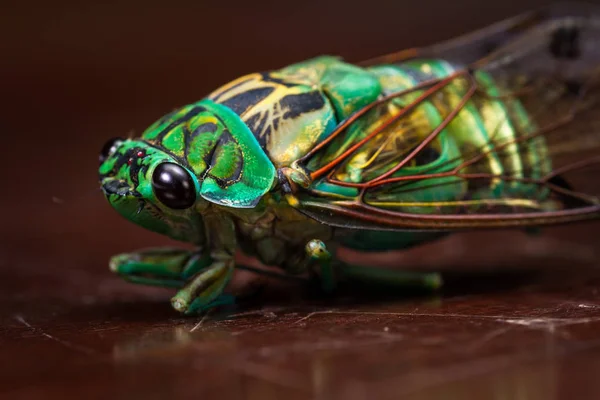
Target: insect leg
331,272
205,289
199,305
167,267
317,253
390,278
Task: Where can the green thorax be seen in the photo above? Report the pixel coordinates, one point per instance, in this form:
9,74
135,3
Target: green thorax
212,142
292,109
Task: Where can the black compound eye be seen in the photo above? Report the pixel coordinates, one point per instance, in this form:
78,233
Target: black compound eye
109,148
173,186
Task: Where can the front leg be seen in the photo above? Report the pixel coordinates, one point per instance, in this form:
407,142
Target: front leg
166,267
200,277
204,290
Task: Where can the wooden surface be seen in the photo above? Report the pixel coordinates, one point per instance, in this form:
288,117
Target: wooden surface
519,319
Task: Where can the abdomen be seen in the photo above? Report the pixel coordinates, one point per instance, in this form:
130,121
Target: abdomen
488,125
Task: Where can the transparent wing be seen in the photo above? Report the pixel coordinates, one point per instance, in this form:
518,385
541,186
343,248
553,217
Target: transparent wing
505,131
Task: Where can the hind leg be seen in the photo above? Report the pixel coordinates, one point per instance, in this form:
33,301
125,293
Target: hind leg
428,281
330,272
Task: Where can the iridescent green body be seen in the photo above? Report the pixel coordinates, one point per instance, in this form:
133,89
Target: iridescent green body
291,110
273,177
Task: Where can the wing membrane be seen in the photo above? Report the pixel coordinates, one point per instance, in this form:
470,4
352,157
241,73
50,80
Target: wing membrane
498,129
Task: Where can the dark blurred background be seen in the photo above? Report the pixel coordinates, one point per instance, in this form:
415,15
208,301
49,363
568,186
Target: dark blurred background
74,74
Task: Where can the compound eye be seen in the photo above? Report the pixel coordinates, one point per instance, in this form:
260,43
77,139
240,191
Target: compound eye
173,186
109,148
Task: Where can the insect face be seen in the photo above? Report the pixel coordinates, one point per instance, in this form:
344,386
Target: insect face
150,188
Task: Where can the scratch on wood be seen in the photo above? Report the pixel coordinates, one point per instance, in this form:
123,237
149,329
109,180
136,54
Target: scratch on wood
69,345
308,316
199,324
264,312
488,338
548,324
398,314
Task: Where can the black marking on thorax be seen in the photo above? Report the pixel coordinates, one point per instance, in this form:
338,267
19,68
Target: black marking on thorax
189,136
267,77
256,123
190,114
241,102
262,124
298,104
292,106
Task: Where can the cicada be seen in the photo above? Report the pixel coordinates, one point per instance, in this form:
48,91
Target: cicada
489,130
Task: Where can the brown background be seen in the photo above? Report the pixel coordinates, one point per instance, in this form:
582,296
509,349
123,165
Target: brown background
74,75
